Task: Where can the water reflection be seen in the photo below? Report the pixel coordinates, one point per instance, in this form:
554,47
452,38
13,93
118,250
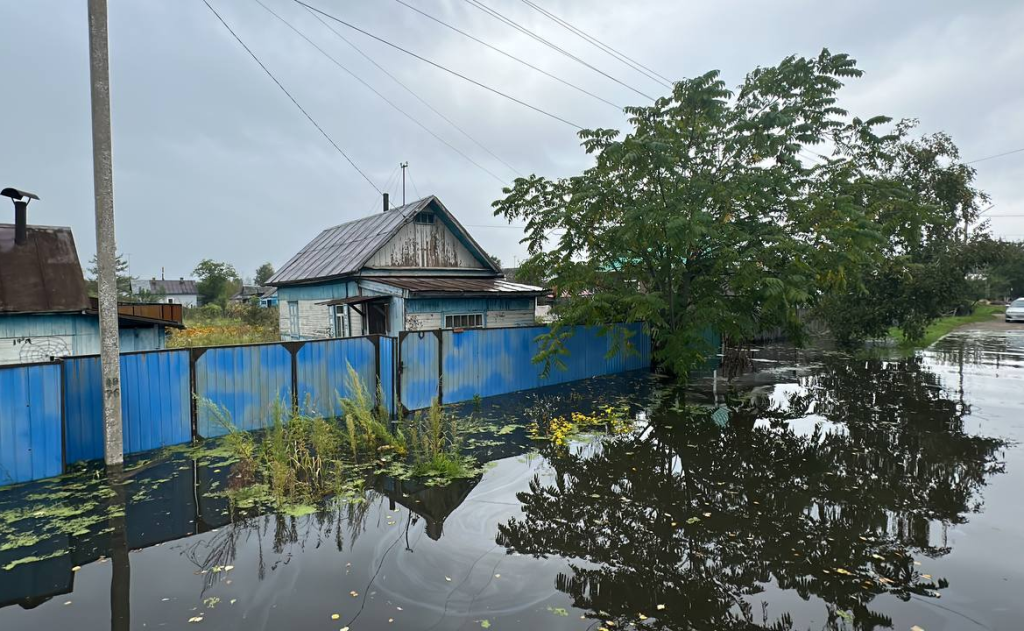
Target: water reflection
701,518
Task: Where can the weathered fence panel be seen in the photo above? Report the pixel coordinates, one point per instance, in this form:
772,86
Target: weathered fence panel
154,403
322,372
388,349
419,368
489,362
244,381
31,441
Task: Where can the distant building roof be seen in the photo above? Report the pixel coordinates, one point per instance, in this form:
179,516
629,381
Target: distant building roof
447,286
248,291
43,275
269,293
180,287
344,249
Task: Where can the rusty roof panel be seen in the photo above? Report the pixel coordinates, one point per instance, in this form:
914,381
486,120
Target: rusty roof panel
44,275
459,286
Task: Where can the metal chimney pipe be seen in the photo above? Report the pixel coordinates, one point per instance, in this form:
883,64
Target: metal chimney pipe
20,221
387,205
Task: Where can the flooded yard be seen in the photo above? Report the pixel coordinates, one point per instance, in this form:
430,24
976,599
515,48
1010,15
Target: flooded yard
819,492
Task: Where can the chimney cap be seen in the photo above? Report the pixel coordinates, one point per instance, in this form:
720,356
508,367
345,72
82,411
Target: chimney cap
16,195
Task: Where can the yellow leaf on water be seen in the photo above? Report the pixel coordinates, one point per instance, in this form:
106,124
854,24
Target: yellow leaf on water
448,578
660,607
335,616
353,593
76,568
916,628
642,617
927,576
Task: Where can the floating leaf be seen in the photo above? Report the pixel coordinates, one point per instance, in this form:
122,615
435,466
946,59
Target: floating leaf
485,624
335,616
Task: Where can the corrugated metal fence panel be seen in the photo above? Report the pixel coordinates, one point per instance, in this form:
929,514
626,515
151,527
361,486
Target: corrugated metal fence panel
155,405
419,369
245,381
489,362
322,369
388,365
83,405
30,423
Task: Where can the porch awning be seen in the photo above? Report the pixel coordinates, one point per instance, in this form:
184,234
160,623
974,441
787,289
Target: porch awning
355,300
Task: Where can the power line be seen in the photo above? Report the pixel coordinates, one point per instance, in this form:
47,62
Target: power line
292,98
386,99
635,65
413,182
522,29
440,67
509,55
998,155
413,93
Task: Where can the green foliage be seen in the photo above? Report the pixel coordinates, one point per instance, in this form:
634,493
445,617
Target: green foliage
263,274
217,282
436,444
942,326
124,279
922,200
368,420
703,215
716,211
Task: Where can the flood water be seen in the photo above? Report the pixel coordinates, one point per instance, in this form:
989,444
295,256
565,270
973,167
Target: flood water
822,493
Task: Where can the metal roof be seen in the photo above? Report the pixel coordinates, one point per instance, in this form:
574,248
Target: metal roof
43,275
344,249
181,287
444,285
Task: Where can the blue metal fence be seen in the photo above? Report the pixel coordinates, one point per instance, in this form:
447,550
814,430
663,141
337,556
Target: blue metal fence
244,383
418,368
489,362
388,349
154,403
322,372
31,445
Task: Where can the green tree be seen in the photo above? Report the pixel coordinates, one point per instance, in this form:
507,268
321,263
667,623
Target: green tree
124,281
706,215
263,274
217,282
921,199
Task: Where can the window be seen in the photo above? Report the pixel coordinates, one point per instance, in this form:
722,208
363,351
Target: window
424,217
341,322
293,318
464,321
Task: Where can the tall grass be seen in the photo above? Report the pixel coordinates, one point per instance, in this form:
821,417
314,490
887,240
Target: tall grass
301,459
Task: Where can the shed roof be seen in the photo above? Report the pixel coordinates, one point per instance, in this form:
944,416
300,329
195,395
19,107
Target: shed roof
43,275
344,249
447,286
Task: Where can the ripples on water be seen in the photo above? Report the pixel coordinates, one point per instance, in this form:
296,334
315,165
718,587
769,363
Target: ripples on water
818,492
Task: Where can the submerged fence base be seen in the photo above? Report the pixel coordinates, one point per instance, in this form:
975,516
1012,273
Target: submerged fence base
51,413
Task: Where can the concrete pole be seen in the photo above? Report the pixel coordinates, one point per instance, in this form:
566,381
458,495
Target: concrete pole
106,249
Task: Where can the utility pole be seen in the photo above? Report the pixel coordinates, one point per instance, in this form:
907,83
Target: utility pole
404,165
106,249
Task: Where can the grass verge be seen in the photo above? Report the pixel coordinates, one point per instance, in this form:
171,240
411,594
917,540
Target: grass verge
942,326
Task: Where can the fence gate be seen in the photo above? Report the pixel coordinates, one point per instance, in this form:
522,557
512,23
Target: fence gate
419,368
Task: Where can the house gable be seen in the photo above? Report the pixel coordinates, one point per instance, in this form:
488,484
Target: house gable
423,244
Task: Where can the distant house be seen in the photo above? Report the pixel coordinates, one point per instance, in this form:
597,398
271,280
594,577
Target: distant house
182,291
269,297
246,293
45,311
410,268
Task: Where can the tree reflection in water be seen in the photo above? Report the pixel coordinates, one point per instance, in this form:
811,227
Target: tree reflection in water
702,517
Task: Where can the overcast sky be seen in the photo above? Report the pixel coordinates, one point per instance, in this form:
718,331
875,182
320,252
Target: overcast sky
212,160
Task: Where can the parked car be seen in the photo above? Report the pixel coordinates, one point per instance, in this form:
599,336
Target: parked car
1015,312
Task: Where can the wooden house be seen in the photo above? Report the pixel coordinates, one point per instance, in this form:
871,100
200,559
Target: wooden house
45,311
410,268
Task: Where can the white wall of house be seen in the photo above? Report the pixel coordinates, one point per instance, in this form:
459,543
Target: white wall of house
187,300
492,319
430,245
